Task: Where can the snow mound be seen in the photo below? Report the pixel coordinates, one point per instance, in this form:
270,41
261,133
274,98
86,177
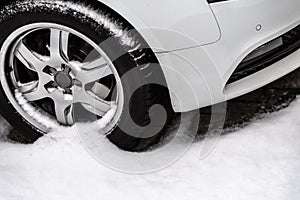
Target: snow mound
260,161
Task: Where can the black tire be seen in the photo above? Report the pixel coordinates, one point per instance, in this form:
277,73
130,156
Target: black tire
17,14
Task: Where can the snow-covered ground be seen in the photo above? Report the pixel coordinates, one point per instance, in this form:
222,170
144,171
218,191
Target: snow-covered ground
260,161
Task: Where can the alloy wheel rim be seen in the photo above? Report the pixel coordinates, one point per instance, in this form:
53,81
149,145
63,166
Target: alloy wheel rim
58,76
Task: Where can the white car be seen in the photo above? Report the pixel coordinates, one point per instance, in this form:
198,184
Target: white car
114,61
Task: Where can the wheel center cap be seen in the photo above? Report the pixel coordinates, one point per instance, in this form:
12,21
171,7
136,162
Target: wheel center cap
63,80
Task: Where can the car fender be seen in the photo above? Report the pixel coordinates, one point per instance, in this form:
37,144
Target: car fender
169,25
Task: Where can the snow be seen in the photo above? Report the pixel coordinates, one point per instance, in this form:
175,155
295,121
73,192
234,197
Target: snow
47,121
260,161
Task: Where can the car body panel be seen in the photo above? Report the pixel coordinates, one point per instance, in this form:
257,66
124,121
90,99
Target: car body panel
239,20
170,25
214,63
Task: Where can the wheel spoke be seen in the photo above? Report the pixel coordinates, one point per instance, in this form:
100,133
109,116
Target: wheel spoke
63,108
92,102
94,64
59,43
55,43
37,94
35,90
27,57
65,44
93,72
64,112
27,87
100,90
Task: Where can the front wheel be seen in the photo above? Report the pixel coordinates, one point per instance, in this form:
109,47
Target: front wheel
62,56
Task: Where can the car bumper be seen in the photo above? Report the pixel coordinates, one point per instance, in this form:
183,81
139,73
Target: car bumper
208,68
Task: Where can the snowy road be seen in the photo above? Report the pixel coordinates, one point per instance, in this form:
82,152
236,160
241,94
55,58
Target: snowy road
260,161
